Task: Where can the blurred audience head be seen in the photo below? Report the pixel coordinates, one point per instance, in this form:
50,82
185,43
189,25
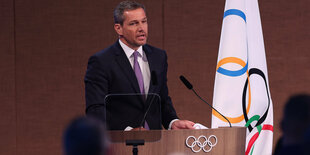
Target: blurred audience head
296,119
85,136
294,125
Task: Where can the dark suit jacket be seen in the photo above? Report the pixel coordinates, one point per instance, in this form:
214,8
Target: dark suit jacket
109,72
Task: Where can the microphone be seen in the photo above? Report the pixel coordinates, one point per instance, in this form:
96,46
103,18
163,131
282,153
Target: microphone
190,87
154,83
154,78
186,83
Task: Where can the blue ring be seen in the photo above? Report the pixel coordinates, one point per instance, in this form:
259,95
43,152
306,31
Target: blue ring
235,12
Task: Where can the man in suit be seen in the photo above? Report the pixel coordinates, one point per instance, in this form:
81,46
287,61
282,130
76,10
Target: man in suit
125,68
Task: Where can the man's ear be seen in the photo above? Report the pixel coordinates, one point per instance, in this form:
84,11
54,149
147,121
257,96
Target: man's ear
118,28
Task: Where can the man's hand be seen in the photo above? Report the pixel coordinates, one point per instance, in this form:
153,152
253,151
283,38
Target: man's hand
182,124
138,129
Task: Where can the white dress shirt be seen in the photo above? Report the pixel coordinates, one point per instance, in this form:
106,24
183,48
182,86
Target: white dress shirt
142,60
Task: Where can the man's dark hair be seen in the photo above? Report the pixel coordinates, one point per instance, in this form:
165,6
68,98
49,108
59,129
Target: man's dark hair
125,6
85,136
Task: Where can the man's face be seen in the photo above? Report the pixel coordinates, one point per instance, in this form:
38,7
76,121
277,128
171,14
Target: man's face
133,32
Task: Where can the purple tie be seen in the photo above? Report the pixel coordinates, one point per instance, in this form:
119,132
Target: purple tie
139,76
138,72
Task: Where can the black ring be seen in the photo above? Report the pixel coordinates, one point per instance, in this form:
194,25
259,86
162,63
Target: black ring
262,119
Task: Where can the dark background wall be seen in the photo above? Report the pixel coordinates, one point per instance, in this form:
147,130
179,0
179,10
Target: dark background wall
45,45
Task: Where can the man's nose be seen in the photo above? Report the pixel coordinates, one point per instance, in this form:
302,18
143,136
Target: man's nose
140,27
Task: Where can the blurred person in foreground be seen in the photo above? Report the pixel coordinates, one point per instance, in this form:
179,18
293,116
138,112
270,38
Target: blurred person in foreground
86,136
295,123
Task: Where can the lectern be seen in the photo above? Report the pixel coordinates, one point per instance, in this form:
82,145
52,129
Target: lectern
219,141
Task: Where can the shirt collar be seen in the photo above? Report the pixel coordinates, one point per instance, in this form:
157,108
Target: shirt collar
129,51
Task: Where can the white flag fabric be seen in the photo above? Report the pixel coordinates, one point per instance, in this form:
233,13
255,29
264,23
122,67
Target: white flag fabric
241,89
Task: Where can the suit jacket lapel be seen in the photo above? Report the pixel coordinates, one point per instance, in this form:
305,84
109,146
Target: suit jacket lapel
151,61
153,89
124,63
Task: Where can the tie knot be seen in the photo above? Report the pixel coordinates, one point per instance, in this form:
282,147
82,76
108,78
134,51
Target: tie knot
135,54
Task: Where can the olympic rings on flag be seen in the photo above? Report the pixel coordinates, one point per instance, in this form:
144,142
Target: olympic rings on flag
245,108
203,143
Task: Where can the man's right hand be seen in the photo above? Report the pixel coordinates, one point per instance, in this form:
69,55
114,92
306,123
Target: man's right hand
138,129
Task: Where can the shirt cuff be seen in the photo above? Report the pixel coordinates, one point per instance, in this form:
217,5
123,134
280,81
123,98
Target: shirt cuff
128,128
170,124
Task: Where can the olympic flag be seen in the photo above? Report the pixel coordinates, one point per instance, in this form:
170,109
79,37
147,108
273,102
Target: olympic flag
241,89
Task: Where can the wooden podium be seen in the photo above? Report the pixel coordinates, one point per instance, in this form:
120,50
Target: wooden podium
228,141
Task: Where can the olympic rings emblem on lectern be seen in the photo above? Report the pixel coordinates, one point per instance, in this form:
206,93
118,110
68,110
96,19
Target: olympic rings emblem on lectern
202,143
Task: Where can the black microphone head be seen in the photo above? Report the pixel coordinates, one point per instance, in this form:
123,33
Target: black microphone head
154,78
186,83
